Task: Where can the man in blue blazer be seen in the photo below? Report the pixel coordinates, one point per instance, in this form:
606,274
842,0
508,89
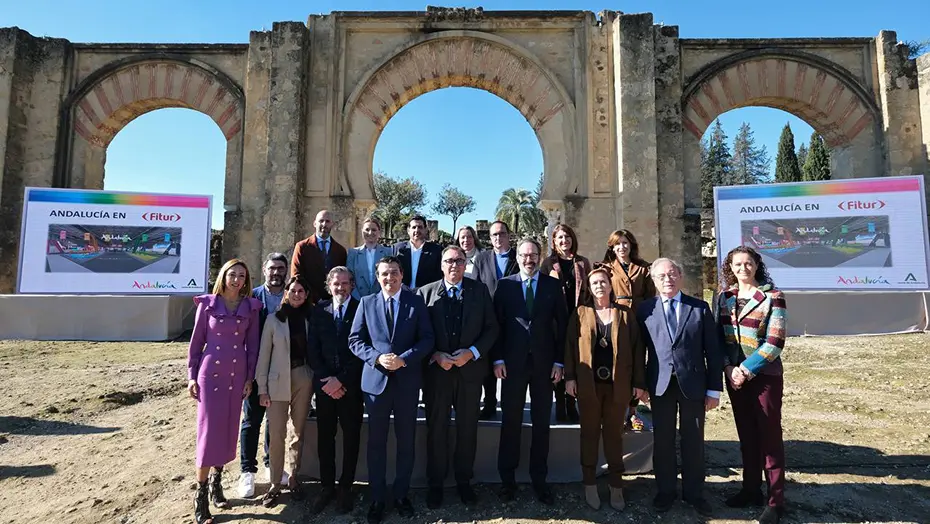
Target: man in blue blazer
392,334
529,352
684,374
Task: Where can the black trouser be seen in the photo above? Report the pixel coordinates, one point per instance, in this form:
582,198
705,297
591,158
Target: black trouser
445,390
665,409
252,415
347,412
490,389
513,401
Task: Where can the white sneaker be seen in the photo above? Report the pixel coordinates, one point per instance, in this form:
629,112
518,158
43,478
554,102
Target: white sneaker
247,485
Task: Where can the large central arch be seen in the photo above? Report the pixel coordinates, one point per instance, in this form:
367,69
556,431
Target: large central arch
457,59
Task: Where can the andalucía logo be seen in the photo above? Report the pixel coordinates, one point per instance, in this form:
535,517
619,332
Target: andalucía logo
152,285
868,281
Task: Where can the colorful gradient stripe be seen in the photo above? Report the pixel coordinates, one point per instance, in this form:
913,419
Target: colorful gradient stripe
833,187
122,199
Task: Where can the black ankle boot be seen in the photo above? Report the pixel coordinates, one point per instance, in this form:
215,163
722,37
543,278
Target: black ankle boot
202,504
216,490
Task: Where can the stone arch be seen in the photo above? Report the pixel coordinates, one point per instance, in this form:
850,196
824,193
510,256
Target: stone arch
118,93
820,92
457,59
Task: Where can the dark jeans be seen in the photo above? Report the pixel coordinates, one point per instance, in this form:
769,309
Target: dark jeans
252,415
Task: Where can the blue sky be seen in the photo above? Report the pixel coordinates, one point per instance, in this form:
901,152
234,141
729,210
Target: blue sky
448,135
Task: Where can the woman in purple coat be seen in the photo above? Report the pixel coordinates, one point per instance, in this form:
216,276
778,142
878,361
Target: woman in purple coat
221,366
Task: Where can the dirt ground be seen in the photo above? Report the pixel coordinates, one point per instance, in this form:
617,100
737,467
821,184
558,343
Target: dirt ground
104,432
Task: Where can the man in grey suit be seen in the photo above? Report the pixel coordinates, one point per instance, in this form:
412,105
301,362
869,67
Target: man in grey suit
684,374
465,329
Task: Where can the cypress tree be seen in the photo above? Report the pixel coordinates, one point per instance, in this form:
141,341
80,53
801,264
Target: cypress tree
786,162
715,164
802,157
817,164
750,163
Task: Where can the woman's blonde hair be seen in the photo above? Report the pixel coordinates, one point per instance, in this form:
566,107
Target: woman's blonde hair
220,285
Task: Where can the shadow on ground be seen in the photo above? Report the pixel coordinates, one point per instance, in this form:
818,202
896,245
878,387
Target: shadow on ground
37,426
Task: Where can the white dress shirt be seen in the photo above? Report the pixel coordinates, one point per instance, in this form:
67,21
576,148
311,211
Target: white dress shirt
415,263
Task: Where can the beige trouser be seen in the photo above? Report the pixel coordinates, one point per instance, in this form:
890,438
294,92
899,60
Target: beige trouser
299,408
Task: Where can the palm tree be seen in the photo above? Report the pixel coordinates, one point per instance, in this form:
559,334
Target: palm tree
513,205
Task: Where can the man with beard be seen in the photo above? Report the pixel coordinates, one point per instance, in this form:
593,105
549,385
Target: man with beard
270,294
337,375
315,255
530,350
419,258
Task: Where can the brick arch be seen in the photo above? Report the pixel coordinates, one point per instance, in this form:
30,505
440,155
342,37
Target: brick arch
457,59
116,95
821,93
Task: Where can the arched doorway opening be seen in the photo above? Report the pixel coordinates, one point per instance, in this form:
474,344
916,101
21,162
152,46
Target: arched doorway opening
460,59
169,151
476,143
821,93
111,98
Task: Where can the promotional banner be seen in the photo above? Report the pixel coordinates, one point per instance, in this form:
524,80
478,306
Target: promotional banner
106,242
855,234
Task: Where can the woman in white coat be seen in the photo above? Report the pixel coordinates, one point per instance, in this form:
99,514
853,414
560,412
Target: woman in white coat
361,260
285,382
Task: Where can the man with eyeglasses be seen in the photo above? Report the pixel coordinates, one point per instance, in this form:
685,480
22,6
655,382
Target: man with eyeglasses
270,294
684,376
492,265
465,330
529,352
315,255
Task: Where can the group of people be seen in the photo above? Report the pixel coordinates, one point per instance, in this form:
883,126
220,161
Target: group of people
375,329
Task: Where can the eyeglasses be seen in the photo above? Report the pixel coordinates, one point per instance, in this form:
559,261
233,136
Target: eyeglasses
454,262
528,256
666,276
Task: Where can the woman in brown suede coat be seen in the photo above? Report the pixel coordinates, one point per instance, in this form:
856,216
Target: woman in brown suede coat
605,367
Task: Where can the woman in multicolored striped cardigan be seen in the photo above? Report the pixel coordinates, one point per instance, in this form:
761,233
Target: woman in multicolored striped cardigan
752,316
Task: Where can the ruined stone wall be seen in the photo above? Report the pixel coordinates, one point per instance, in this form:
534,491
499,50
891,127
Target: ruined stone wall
923,84
898,90
608,97
32,79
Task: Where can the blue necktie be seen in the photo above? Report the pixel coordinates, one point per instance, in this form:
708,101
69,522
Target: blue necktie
390,317
672,319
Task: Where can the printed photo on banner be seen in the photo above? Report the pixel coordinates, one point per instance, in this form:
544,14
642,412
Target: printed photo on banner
113,249
861,241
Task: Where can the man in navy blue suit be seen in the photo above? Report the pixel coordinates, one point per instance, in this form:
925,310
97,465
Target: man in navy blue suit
684,374
530,348
392,334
